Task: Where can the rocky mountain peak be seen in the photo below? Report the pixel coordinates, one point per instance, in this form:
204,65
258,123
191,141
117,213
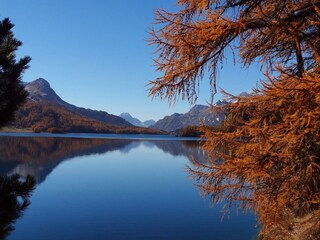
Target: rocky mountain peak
135,121
221,103
40,89
197,115
41,82
38,85
198,108
125,114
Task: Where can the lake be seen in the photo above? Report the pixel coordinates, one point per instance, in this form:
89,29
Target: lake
98,186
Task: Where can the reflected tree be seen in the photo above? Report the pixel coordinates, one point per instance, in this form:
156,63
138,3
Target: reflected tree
14,199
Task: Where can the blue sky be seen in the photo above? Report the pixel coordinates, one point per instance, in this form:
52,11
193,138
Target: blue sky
94,54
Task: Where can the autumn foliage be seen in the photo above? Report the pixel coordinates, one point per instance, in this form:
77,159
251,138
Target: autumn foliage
271,151
45,116
267,155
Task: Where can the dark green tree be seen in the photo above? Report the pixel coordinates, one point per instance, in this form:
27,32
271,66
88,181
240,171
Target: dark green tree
15,193
12,92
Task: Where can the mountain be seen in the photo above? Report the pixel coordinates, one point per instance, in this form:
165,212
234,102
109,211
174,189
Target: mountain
40,90
45,111
198,114
136,121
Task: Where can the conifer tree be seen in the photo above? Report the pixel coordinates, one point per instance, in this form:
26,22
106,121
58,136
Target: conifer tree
12,92
267,155
15,196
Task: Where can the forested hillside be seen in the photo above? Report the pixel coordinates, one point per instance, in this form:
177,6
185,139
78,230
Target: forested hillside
46,116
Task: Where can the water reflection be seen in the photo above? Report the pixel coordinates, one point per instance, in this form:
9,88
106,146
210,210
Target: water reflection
111,189
14,199
23,157
38,156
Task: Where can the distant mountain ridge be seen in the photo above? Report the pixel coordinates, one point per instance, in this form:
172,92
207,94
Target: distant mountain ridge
45,111
135,121
40,89
198,114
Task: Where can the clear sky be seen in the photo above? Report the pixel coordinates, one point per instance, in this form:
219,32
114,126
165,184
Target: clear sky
94,54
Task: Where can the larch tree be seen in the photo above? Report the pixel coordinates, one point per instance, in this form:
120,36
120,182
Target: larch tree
267,155
12,92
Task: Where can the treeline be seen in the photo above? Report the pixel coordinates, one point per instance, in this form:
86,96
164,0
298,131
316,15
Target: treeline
198,131
190,131
45,116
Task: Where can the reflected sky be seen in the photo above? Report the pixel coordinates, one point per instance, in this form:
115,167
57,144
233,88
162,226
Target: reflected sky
115,189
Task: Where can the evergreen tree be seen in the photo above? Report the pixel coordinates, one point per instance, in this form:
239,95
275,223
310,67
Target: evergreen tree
12,92
15,196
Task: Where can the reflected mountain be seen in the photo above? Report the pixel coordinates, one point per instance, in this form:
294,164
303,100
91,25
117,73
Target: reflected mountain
14,199
38,156
190,149
132,145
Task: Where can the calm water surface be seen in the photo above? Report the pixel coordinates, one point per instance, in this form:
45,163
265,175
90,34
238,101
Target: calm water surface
113,188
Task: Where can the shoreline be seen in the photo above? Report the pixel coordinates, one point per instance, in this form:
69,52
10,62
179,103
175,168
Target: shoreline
99,135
